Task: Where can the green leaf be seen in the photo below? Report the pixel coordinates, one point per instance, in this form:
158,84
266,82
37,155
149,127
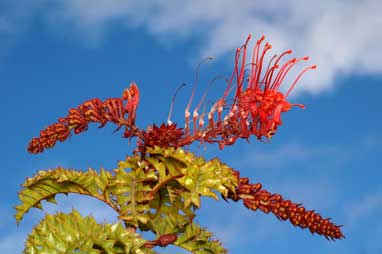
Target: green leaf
157,191
199,240
182,179
197,176
132,189
72,233
47,184
168,215
205,178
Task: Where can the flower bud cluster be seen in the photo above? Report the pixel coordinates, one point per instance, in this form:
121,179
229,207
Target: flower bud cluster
91,111
254,198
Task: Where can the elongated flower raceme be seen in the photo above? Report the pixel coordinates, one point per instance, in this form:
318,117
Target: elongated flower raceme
92,111
254,198
254,109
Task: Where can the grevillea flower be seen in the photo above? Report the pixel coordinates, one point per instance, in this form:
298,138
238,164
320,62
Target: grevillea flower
257,101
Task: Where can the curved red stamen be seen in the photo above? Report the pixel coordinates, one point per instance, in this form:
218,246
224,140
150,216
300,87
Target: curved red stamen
255,66
298,78
288,69
276,81
260,66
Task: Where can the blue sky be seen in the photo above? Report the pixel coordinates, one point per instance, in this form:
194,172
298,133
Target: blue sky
56,54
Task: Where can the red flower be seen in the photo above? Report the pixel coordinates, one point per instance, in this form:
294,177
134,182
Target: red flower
256,108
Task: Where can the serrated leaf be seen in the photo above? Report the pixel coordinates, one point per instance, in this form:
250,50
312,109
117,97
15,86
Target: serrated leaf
183,178
200,177
72,233
132,191
47,184
158,191
168,216
199,240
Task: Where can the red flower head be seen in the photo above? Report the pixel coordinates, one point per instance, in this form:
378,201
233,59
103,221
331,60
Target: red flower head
261,101
257,102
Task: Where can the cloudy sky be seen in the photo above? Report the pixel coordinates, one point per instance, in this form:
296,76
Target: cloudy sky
56,54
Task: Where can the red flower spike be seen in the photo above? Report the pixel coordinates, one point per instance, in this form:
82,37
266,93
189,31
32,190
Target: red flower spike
92,111
255,198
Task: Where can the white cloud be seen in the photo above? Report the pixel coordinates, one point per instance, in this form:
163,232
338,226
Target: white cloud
342,37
